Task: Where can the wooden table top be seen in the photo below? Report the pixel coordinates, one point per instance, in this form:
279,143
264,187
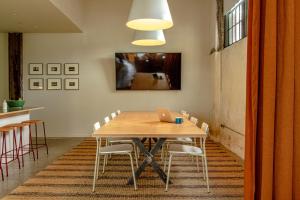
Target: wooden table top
147,124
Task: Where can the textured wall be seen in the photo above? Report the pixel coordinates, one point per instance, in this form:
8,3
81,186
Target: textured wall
233,96
72,113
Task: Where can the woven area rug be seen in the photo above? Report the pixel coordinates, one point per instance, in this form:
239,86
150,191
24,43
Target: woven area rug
71,177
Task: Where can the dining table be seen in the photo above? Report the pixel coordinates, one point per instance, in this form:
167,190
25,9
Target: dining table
139,125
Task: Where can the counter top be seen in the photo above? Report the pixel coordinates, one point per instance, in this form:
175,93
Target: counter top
17,111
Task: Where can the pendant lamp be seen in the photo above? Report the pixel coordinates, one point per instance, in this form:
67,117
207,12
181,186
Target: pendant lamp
149,38
149,15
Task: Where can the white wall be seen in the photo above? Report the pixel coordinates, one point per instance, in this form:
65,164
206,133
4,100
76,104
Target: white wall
229,83
3,67
233,96
72,113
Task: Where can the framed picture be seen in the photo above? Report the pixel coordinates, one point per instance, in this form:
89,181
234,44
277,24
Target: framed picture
71,69
54,84
54,69
35,68
72,84
36,84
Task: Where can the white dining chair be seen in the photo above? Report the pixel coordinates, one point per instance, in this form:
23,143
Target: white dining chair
180,140
113,115
179,149
120,149
183,111
118,112
106,120
119,140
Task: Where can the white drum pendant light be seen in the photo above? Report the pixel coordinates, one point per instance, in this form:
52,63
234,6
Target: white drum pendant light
149,15
149,38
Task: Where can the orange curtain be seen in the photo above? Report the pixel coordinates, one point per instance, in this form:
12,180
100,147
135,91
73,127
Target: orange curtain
272,155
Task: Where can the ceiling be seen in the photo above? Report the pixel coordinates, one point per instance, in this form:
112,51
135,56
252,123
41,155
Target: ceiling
35,16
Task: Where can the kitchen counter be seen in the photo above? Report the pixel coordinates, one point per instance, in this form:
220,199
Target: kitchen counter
17,111
16,115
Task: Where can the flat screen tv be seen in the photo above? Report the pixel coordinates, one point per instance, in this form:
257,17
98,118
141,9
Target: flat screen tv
148,71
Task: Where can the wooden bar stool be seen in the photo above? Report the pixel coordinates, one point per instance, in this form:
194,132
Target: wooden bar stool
24,148
5,154
37,145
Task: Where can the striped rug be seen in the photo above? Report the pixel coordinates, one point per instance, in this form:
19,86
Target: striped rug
71,176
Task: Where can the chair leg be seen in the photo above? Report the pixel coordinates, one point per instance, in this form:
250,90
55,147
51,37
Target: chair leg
31,144
5,153
165,161
21,146
104,163
169,168
1,172
206,174
203,168
36,142
162,153
96,166
138,151
15,147
197,161
133,173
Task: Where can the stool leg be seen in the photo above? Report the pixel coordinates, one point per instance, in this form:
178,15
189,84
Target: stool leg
45,137
2,153
36,142
5,153
21,146
1,171
15,146
30,143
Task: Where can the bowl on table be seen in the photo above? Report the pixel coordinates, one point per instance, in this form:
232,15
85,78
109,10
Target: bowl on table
15,103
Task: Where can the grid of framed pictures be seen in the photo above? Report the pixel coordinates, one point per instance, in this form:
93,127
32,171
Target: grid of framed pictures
53,82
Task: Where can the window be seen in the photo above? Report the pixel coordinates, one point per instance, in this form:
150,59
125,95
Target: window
236,23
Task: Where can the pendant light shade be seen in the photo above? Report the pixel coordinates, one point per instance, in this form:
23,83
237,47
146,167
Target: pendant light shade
149,38
149,15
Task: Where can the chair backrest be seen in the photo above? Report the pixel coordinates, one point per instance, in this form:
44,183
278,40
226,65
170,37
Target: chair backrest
194,120
118,112
106,120
97,126
204,127
113,115
186,115
183,111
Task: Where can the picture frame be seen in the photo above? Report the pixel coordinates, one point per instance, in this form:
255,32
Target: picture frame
35,69
53,69
36,84
71,83
71,68
54,84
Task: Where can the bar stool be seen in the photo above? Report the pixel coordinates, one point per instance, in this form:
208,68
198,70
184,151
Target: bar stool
1,171
24,148
37,145
13,154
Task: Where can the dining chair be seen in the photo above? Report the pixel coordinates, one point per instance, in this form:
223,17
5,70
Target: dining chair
180,140
120,149
113,115
179,149
183,111
119,140
118,112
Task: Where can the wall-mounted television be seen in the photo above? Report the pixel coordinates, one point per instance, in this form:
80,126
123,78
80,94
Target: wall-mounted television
148,71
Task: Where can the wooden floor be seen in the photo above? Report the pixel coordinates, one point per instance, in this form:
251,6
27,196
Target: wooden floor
71,175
